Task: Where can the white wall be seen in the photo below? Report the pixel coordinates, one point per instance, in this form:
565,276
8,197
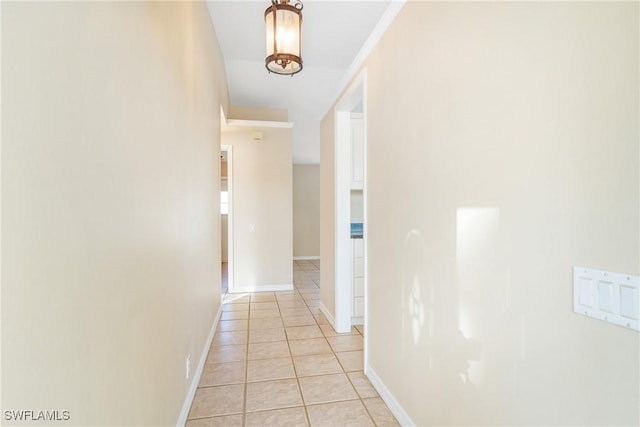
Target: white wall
512,134
306,210
110,223
262,197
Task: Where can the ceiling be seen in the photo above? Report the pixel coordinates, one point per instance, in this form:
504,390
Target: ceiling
333,33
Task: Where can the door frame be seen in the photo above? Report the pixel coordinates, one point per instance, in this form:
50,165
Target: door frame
356,93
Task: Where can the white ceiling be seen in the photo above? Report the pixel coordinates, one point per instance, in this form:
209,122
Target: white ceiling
333,32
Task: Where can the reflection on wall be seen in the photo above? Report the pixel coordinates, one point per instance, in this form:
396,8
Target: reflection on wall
477,267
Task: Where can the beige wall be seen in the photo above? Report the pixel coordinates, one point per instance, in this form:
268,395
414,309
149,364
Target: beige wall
306,210
256,113
224,238
327,214
111,242
514,135
262,196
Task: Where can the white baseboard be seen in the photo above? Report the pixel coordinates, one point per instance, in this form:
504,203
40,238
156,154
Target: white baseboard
401,415
261,288
304,258
324,310
188,400
357,321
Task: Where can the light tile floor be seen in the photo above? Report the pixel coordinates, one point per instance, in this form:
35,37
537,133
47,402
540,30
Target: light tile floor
276,361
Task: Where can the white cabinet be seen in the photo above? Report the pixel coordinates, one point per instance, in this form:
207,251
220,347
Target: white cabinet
357,316
357,151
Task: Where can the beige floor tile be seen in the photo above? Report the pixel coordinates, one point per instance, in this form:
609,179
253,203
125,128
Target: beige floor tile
320,319
267,335
326,388
317,364
292,304
270,369
304,292
263,305
257,326
225,421
236,299
307,320
227,353
344,414
229,338
233,325
346,342
351,360
362,385
273,395
234,315
381,414
360,329
303,332
267,323
309,346
315,310
268,350
294,296
328,331
213,401
263,297
289,312
289,417
235,307
265,314
222,374
304,283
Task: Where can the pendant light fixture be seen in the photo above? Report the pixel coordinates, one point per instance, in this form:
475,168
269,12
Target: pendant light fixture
283,21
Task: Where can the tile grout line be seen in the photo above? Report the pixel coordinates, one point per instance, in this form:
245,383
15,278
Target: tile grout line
345,371
246,367
295,371
309,293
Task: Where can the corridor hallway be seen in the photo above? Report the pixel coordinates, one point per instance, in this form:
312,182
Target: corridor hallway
276,361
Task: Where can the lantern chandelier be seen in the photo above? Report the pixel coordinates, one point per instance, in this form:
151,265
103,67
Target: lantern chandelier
284,24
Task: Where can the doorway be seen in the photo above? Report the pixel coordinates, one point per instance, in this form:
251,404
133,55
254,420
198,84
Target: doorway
226,218
351,209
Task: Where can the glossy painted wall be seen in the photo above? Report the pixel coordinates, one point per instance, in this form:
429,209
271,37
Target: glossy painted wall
503,150
110,206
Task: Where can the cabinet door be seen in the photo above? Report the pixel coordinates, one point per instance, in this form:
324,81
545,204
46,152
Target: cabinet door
358,306
358,248
358,287
357,153
358,267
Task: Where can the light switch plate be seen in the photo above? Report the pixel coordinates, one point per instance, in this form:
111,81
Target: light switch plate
608,296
